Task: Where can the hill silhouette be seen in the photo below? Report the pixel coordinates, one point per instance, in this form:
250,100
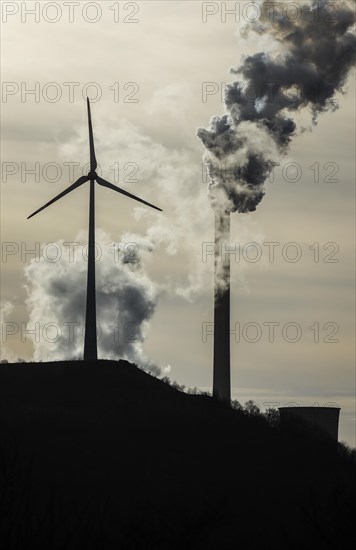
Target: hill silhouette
102,455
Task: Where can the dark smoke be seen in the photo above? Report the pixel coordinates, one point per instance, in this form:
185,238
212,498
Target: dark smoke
242,146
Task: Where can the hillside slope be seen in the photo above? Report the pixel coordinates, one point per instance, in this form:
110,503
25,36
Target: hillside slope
103,455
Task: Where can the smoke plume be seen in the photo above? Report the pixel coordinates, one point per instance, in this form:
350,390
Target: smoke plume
6,308
126,301
317,51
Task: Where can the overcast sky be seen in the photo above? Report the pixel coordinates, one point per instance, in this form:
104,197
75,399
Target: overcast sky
147,90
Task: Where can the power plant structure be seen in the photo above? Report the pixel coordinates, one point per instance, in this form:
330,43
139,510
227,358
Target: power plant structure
90,338
325,419
221,361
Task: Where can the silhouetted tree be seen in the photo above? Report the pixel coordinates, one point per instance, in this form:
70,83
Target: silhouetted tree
177,386
251,408
236,405
272,417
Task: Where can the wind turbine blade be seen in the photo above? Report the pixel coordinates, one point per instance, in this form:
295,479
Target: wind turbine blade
93,163
79,182
119,190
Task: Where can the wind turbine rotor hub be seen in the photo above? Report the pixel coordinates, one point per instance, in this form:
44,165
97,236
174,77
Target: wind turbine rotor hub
92,175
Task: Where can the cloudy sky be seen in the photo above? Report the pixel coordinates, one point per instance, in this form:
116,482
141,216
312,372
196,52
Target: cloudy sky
156,72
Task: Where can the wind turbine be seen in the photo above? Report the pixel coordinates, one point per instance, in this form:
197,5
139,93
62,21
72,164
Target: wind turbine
90,340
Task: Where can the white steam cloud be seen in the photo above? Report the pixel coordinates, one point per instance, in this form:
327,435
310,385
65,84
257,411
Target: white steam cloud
126,301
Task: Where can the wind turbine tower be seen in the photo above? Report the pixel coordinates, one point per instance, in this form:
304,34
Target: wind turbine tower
90,339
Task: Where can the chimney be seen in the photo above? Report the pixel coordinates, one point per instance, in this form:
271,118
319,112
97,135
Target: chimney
221,369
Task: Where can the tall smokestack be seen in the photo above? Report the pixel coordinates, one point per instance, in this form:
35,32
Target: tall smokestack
221,375
317,51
